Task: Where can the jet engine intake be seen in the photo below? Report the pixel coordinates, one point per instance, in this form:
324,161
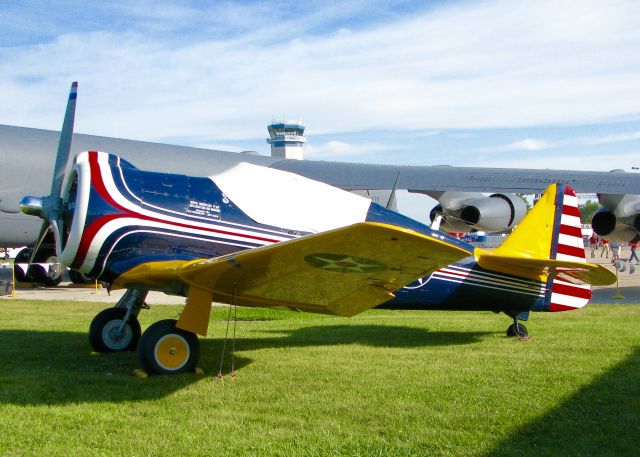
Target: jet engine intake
618,220
616,229
474,211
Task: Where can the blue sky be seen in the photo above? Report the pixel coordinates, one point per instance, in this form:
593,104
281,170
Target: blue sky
539,84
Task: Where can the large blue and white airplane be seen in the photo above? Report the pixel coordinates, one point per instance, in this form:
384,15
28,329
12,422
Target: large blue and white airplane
255,236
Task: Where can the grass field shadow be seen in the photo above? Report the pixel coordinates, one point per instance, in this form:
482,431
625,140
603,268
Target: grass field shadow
369,335
601,419
43,367
59,367
333,335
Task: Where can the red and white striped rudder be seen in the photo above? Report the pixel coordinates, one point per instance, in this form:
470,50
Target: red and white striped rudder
567,244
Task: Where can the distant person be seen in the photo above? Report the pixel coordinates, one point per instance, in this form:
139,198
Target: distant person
615,252
604,249
634,254
593,244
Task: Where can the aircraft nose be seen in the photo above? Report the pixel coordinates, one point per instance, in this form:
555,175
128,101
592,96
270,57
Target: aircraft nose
32,206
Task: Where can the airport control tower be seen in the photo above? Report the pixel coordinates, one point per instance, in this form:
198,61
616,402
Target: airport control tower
286,139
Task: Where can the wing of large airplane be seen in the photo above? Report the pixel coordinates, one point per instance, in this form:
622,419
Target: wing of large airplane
25,147
447,178
29,154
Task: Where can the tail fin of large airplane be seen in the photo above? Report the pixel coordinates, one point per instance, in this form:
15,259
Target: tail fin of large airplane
548,246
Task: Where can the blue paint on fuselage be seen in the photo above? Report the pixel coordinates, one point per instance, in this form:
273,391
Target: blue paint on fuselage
468,287
192,200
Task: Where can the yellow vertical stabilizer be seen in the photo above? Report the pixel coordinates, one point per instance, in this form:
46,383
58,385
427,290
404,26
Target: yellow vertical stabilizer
533,237
549,239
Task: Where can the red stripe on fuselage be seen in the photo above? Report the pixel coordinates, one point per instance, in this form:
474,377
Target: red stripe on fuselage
92,230
88,235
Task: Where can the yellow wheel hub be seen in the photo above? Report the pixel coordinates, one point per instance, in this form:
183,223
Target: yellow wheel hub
172,352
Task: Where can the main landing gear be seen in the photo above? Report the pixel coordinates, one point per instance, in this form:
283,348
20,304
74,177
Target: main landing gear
117,329
162,348
112,331
166,349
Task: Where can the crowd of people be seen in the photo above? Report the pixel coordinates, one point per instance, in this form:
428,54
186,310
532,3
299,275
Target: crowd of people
614,250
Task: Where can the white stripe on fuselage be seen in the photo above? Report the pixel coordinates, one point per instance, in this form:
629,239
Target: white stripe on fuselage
183,214
469,277
112,226
114,192
240,246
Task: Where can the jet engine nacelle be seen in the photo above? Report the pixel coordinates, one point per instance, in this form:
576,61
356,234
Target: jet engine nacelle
466,211
618,219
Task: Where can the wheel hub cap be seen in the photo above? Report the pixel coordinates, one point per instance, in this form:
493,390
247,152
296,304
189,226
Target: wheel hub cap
172,352
114,338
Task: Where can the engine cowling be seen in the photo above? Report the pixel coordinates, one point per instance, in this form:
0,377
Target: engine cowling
464,212
618,220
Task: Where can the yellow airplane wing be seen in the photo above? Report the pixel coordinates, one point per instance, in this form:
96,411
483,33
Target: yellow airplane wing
343,271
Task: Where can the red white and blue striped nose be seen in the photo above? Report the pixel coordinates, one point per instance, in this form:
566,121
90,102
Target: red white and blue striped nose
566,295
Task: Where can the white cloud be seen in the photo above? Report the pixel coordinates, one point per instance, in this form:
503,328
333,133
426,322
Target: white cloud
614,138
341,149
473,64
528,144
532,144
592,162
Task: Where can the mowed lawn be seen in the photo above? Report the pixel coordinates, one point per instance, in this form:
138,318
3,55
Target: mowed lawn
381,383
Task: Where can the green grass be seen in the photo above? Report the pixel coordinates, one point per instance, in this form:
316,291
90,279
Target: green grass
382,383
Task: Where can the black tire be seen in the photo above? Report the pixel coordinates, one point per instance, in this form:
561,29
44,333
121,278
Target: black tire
165,349
518,330
37,273
50,277
79,278
22,257
18,273
102,331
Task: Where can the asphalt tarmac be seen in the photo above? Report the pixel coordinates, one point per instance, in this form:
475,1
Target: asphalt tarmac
69,291
628,287
628,283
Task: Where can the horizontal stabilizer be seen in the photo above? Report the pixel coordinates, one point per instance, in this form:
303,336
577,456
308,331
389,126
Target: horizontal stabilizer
588,273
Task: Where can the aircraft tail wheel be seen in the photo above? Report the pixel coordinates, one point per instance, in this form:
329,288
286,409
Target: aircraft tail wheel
517,329
106,334
165,349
